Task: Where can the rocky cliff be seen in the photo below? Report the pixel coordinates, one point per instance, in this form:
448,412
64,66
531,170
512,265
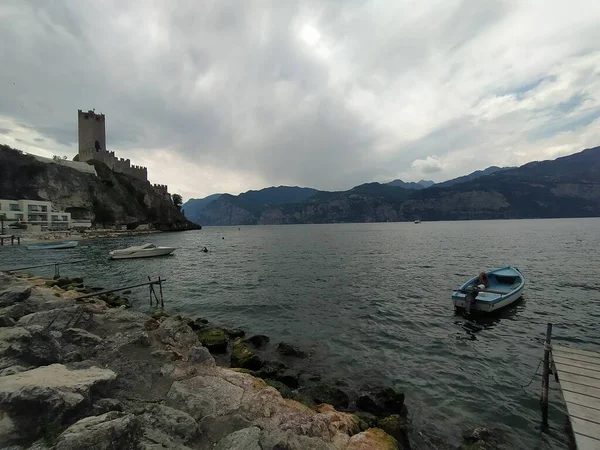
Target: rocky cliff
565,187
107,199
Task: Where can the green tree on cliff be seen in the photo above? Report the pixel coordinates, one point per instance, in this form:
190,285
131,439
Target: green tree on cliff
177,200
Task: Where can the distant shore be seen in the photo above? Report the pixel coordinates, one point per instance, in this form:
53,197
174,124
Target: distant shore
79,236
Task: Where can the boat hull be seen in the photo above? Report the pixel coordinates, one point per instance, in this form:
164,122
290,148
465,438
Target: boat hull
142,253
490,302
53,246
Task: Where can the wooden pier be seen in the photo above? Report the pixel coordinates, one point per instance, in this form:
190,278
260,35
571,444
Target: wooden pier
578,373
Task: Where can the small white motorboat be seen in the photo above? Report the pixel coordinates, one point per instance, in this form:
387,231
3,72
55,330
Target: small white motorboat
490,291
141,251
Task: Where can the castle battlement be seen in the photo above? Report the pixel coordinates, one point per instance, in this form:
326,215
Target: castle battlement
92,146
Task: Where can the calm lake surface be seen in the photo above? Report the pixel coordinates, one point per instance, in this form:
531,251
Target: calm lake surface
372,301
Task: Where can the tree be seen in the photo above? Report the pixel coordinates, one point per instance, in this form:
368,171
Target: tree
177,200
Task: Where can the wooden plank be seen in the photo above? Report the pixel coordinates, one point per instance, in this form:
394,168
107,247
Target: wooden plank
575,363
581,412
591,382
563,368
576,351
574,357
581,400
567,386
585,427
586,443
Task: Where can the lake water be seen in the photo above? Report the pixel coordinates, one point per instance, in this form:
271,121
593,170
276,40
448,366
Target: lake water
372,302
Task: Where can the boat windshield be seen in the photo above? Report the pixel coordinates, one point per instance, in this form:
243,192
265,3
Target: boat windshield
148,246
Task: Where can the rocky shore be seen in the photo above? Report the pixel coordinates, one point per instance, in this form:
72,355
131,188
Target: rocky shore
82,375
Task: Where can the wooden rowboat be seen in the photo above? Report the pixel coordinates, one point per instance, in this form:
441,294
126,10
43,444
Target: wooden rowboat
53,245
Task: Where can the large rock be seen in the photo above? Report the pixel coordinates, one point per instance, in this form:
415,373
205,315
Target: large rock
395,426
214,339
201,355
168,426
258,340
16,294
6,321
331,395
110,431
205,395
480,438
382,402
56,394
78,316
244,357
214,428
81,337
372,438
32,346
176,333
245,439
291,350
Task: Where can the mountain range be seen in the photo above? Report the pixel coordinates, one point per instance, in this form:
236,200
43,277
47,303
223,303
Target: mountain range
565,187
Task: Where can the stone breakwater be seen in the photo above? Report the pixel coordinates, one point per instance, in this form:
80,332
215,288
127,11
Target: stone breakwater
82,375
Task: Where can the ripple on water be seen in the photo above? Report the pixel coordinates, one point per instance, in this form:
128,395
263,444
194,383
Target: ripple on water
372,302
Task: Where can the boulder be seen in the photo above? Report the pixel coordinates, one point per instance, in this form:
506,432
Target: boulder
6,321
235,332
214,339
244,357
80,316
258,340
205,395
81,337
201,355
214,428
104,405
244,439
395,426
366,420
55,393
32,346
283,389
14,295
275,370
331,395
176,333
382,402
372,438
198,324
290,350
113,430
151,324
480,438
167,425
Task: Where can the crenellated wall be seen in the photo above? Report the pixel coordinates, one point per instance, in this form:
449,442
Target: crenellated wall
162,189
92,146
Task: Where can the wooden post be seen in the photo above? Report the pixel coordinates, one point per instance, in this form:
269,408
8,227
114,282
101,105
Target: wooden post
546,377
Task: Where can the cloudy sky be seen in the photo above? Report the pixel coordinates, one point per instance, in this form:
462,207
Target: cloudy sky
231,95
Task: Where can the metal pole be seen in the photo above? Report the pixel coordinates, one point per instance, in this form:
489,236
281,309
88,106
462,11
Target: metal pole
546,377
162,302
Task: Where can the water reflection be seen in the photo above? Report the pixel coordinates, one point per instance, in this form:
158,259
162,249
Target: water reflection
478,321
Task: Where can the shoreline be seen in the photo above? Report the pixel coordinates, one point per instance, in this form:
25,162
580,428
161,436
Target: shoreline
92,370
77,236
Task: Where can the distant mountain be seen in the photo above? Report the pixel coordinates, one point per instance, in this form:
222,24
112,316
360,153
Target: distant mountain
474,175
411,185
565,187
194,207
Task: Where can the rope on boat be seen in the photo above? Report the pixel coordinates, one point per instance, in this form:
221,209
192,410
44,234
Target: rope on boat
533,377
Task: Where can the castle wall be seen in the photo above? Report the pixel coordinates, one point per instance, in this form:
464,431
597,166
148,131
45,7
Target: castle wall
91,130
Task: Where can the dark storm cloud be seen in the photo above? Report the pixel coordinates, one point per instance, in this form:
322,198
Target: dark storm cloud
328,94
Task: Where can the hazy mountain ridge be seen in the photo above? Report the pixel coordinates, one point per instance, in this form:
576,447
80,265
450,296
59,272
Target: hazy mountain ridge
565,187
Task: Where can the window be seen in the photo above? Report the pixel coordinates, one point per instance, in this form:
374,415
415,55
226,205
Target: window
18,216
54,218
14,207
32,208
65,218
44,208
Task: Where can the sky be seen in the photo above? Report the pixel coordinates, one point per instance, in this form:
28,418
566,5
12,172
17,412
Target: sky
232,95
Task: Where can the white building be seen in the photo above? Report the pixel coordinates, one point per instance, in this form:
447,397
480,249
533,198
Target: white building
36,213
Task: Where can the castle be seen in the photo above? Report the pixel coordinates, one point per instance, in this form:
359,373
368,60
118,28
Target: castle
92,145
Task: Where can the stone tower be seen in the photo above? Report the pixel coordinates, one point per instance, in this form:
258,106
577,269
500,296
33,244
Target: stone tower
92,134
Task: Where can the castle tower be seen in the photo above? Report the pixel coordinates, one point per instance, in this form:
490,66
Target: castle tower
92,134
